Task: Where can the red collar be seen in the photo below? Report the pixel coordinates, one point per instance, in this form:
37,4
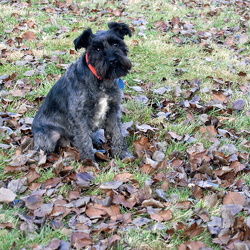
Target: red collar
92,69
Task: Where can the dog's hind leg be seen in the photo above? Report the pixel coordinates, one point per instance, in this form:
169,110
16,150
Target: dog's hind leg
46,140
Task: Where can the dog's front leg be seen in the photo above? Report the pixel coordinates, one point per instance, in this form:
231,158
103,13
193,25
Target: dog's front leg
113,129
83,139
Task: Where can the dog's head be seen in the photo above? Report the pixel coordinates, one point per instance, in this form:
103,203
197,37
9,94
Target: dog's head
106,50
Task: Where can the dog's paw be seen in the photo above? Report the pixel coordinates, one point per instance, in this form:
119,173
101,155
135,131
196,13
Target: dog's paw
98,137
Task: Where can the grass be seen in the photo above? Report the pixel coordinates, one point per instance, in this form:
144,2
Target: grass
156,58
45,174
20,238
143,239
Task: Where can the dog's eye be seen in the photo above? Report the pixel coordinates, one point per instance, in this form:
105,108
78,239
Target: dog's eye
97,49
115,44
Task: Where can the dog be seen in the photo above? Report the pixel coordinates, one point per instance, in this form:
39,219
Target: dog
87,97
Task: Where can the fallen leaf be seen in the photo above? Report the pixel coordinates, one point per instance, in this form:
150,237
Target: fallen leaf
16,92
141,146
18,186
80,240
239,104
137,88
44,210
164,215
84,179
210,200
123,177
234,198
152,202
29,36
161,194
194,230
175,135
33,202
7,225
160,91
158,156
144,128
120,199
183,205
140,221
52,182
110,185
6,195
53,244
141,98
29,73
194,245
95,211
228,217
210,130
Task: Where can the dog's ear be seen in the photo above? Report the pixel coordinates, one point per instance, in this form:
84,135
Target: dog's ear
120,29
83,40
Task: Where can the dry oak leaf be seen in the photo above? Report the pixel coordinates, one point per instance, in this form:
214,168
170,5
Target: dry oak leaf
110,185
183,205
123,177
220,97
112,210
52,182
147,169
122,219
208,130
32,175
141,146
234,198
194,245
152,202
140,221
6,225
145,128
59,208
164,215
120,199
29,36
239,104
44,210
34,201
113,239
80,240
194,230
175,135
97,211
20,160
6,195
53,244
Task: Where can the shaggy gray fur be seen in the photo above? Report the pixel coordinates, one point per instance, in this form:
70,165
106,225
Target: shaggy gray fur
79,104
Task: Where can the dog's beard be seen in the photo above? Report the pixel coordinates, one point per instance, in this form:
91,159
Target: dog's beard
107,70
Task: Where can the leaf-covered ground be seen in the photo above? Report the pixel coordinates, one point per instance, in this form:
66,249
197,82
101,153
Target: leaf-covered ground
186,118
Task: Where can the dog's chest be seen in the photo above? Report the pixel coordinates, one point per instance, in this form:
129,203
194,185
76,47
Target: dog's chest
101,109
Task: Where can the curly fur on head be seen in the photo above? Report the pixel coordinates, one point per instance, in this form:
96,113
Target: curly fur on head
106,50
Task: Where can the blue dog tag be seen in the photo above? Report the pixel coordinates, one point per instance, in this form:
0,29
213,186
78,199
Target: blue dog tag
121,84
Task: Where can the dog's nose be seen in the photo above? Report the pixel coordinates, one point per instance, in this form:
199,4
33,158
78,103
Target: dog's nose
112,60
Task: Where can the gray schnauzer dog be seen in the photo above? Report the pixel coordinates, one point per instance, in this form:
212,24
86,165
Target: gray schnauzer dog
87,97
